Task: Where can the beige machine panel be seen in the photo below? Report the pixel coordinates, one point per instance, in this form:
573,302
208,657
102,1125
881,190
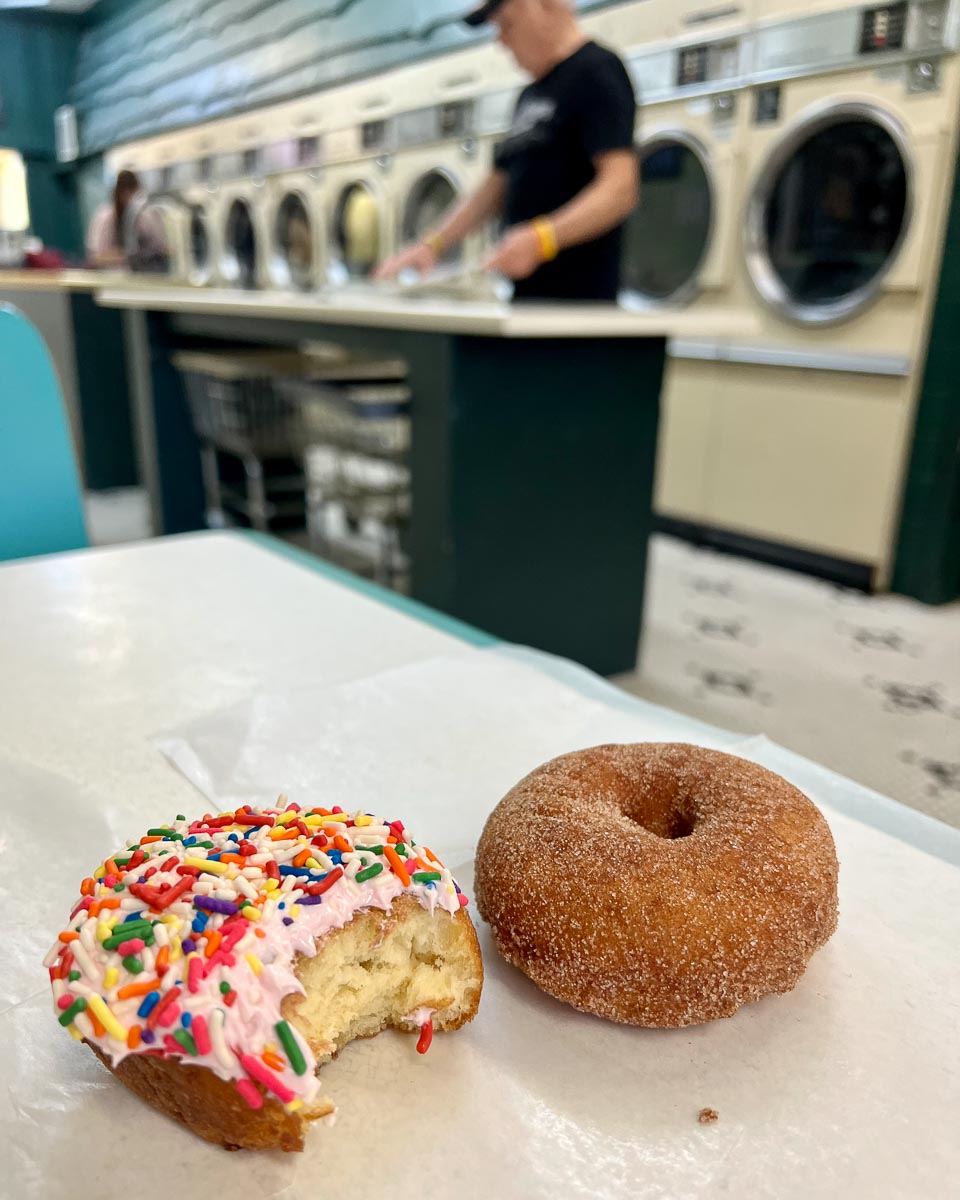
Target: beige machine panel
807,457
780,10
689,406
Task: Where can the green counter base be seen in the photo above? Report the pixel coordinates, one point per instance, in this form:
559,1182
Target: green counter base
532,466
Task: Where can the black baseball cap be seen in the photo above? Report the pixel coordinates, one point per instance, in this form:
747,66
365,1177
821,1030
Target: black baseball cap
483,14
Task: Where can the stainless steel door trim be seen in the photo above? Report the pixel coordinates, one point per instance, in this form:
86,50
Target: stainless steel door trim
895,365
765,280
442,172
687,292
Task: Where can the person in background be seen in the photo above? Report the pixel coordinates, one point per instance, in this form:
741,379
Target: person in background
565,178
124,222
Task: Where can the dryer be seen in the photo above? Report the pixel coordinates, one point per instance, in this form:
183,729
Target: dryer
240,218
849,165
360,199
438,160
681,245
296,241
198,197
154,227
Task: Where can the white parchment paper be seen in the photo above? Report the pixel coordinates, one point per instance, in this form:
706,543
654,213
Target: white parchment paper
846,1087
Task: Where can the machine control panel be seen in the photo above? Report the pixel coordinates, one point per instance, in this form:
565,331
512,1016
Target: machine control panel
308,151
709,62
184,173
373,135
280,156
456,119
883,28
767,105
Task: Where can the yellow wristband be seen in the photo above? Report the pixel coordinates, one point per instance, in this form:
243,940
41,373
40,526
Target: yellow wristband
435,242
547,237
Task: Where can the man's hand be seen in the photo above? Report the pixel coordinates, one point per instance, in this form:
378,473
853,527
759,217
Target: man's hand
419,258
518,253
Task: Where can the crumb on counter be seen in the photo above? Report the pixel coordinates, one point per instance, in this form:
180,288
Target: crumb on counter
707,1116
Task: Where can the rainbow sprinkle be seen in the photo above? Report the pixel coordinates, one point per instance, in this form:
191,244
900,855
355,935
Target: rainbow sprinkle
182,944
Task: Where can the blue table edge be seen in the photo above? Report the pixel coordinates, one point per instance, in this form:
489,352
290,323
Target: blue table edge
871,808
373,591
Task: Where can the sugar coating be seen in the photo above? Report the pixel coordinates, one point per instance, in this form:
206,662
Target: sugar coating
657,884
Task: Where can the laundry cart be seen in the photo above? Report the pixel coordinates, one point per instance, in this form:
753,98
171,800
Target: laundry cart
251,436
357,426
314,439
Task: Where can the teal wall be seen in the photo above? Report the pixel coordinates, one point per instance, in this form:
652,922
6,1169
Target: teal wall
150,65
37,63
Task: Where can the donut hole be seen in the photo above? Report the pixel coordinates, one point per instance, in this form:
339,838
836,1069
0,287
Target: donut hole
663,815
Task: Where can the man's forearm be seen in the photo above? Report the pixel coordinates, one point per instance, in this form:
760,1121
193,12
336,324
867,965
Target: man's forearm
473,211
601,206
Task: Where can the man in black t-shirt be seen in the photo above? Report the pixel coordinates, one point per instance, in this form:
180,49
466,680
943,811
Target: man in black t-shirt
565,177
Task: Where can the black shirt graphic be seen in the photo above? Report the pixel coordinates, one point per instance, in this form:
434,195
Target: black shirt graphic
583,107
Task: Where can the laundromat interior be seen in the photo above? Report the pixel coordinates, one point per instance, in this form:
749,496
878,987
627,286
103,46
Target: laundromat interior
480,599
734,491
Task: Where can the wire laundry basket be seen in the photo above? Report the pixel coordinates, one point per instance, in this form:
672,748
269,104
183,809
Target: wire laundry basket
344,419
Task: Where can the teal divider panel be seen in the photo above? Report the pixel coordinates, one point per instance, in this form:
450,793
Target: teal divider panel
40,502
150,65
373,591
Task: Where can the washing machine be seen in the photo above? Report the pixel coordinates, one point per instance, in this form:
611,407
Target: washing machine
851,148
438,161
360,199
295,211
198,199
681,245
240,219
154,228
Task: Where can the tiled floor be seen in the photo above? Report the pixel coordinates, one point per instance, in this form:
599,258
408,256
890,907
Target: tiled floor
867,685
118,515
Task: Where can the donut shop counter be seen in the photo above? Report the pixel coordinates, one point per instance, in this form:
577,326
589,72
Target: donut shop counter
532,447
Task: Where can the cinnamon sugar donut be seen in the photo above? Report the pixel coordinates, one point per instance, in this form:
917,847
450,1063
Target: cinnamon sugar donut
657,884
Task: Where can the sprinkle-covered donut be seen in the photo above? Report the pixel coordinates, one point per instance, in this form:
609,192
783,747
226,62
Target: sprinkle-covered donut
657,884
212,964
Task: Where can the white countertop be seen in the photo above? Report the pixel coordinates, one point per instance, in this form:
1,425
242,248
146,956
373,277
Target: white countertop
102,650
389,311
59,281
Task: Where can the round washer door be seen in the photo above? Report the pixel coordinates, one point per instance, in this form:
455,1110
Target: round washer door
829,213
240,245
356,231
150,238
666,238
430,198
199,244
293,243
